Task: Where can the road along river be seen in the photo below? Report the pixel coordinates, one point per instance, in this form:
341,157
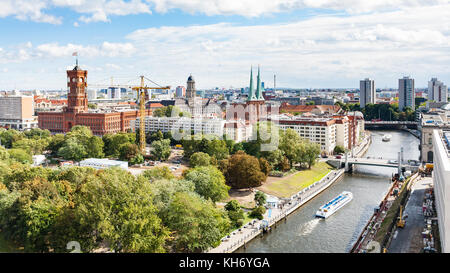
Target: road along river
302,232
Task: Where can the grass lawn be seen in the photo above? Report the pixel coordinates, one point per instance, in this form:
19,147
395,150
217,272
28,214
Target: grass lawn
289,185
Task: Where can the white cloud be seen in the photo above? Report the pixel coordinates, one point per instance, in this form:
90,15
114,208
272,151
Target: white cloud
102,10
28,10
253,8
105,49
333,51
313,51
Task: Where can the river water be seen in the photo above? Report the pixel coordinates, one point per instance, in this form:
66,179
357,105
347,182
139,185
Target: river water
302,232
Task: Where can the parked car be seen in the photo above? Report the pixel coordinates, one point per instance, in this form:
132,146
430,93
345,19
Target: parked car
338,157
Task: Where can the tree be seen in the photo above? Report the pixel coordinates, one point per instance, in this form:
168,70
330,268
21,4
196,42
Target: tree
312,151
4,155
209,182
258,212
158,173
339,149
196,223
235,213
161,149
37,133
120,211
290,145
128,151
32,146
8,137
265,166
20,155
260,198
232,205
113,142
242,171
55,143
217,148
138,159
154,136
200,159
94,147
72,149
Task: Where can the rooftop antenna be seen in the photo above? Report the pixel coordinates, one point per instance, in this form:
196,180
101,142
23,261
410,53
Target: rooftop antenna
274,83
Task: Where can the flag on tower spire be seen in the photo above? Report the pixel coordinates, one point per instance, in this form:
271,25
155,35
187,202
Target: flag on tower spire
75,54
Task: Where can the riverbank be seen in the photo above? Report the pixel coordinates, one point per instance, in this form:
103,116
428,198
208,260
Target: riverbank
250,231
382,221
239,238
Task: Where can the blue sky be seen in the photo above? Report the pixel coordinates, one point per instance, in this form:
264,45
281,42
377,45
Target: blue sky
306,43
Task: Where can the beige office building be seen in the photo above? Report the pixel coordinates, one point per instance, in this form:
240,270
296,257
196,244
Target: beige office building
16,112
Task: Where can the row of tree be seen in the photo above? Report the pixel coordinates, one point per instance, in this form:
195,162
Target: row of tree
388,112
79,144
43,209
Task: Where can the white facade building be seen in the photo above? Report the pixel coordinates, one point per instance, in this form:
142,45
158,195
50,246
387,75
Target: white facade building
103,163
183,126
238,130
441,181
322,131
342,132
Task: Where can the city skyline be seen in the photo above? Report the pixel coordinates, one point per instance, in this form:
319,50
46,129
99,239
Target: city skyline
322,45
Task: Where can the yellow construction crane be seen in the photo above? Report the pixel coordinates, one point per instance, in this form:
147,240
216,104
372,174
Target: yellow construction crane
141,96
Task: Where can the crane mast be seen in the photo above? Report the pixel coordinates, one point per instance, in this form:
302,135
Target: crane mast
141,96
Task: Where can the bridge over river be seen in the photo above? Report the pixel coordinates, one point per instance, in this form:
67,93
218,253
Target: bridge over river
390,124
400,163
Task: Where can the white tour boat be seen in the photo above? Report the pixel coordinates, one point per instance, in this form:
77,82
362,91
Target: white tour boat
335,204
386,137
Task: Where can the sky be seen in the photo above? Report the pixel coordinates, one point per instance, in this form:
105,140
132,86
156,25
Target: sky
306,43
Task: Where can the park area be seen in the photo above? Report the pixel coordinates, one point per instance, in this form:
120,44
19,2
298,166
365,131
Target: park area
289,185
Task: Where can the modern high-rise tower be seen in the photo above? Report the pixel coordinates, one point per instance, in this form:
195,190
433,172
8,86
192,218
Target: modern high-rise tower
367,93
406,93
437,91
190,90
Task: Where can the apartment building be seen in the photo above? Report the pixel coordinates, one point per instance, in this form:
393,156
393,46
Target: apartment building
441,181
322,131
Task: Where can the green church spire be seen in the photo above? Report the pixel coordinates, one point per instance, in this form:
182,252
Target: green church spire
251,93
259,95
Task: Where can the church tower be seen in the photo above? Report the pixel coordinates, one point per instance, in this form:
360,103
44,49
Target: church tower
77,98
190,90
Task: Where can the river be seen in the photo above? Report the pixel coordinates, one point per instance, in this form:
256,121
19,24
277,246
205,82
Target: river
302,232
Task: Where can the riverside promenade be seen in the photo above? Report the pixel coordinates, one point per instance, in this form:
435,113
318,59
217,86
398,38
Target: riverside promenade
239,238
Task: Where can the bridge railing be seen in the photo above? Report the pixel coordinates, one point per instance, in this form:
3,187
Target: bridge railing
391,122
